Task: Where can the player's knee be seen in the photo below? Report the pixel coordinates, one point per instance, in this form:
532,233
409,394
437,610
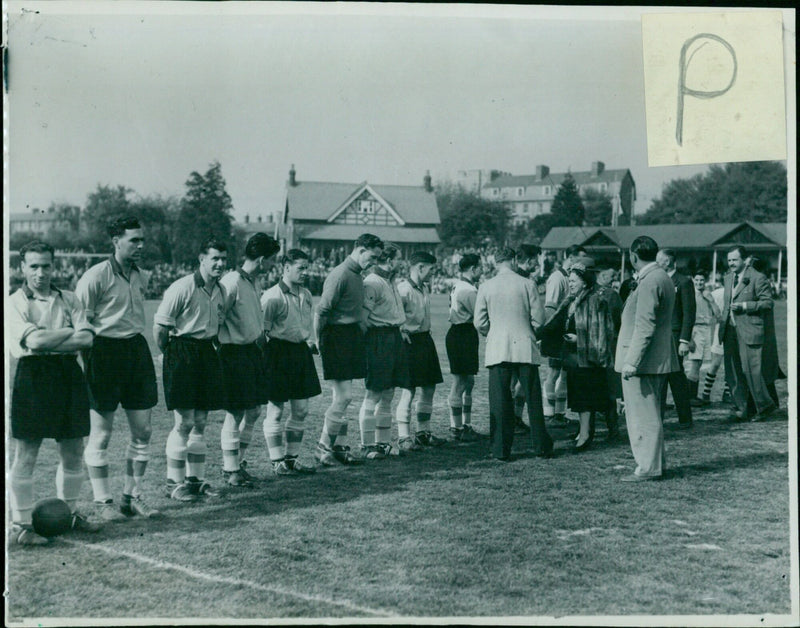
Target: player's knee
72,454
299,414
95,456
251,415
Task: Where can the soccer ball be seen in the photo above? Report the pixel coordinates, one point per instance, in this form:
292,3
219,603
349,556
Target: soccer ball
51,517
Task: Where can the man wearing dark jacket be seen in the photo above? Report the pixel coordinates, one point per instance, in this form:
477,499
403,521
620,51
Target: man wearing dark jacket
683,315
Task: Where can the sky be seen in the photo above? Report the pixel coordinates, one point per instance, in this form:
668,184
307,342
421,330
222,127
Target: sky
141,95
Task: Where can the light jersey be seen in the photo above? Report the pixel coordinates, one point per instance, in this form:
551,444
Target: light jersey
114,304
26,313
462,302
383,306
417,306
243,323
190,309
704,315
288,313
556,289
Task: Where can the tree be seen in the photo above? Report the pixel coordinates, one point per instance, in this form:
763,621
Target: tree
597,208
567,205
205,210
470,220
733,192
105,203
157,216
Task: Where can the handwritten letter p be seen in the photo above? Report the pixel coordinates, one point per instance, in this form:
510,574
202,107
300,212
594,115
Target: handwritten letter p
684,66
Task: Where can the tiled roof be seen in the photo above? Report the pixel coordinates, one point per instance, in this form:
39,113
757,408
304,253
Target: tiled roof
421,235
674,236
556,178
315,200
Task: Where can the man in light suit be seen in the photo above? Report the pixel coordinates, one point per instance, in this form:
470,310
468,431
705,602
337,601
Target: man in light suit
746,299
507,310
645,355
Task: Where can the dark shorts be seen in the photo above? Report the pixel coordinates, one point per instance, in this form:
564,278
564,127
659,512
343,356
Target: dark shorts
49,399
193,378
420,362
245,376
120,371
383,347
462,349
343,353
292,373
555,363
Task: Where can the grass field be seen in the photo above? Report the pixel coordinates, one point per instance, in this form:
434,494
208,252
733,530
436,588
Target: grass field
439,533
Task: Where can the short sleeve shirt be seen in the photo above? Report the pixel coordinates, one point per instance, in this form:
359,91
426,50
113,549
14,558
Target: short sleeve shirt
417,306
383,306
556,289
190,309
26,313
462,302
242,324
114,304
288,313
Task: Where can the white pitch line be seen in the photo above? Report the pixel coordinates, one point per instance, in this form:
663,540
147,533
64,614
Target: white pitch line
160,564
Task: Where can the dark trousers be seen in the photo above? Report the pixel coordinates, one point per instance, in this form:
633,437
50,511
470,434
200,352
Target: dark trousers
501,408
680,390
743,374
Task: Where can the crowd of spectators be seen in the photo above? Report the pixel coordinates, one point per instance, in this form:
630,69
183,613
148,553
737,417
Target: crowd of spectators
159,277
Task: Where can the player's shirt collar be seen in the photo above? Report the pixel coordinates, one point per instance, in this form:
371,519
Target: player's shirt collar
29,293
353,265
382,273
246,275
117,267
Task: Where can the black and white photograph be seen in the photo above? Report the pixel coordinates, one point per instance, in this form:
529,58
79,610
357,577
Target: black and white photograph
388,313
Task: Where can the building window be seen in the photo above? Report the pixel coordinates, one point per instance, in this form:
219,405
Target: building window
547,190
603,187
520,191
495,191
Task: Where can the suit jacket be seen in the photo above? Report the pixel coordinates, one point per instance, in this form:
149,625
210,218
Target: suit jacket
507,310
645,336
685,310
752,290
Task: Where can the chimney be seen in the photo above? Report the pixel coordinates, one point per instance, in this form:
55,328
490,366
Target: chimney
542,171
426,181
247,219
597,168
292,180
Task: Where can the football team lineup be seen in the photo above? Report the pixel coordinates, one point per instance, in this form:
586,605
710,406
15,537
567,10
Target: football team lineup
290,523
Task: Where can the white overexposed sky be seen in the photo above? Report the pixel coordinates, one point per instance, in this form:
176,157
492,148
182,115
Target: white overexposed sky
141,95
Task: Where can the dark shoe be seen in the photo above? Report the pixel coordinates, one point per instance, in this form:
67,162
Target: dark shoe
426,439
181,492
544,454
584,445
737,417
699,403
471,435
300,469
23,534
236,478
136,506
492,457
764,415
669,406
558,420
82,524
520,427
201,488
243,472
633,477
343,456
